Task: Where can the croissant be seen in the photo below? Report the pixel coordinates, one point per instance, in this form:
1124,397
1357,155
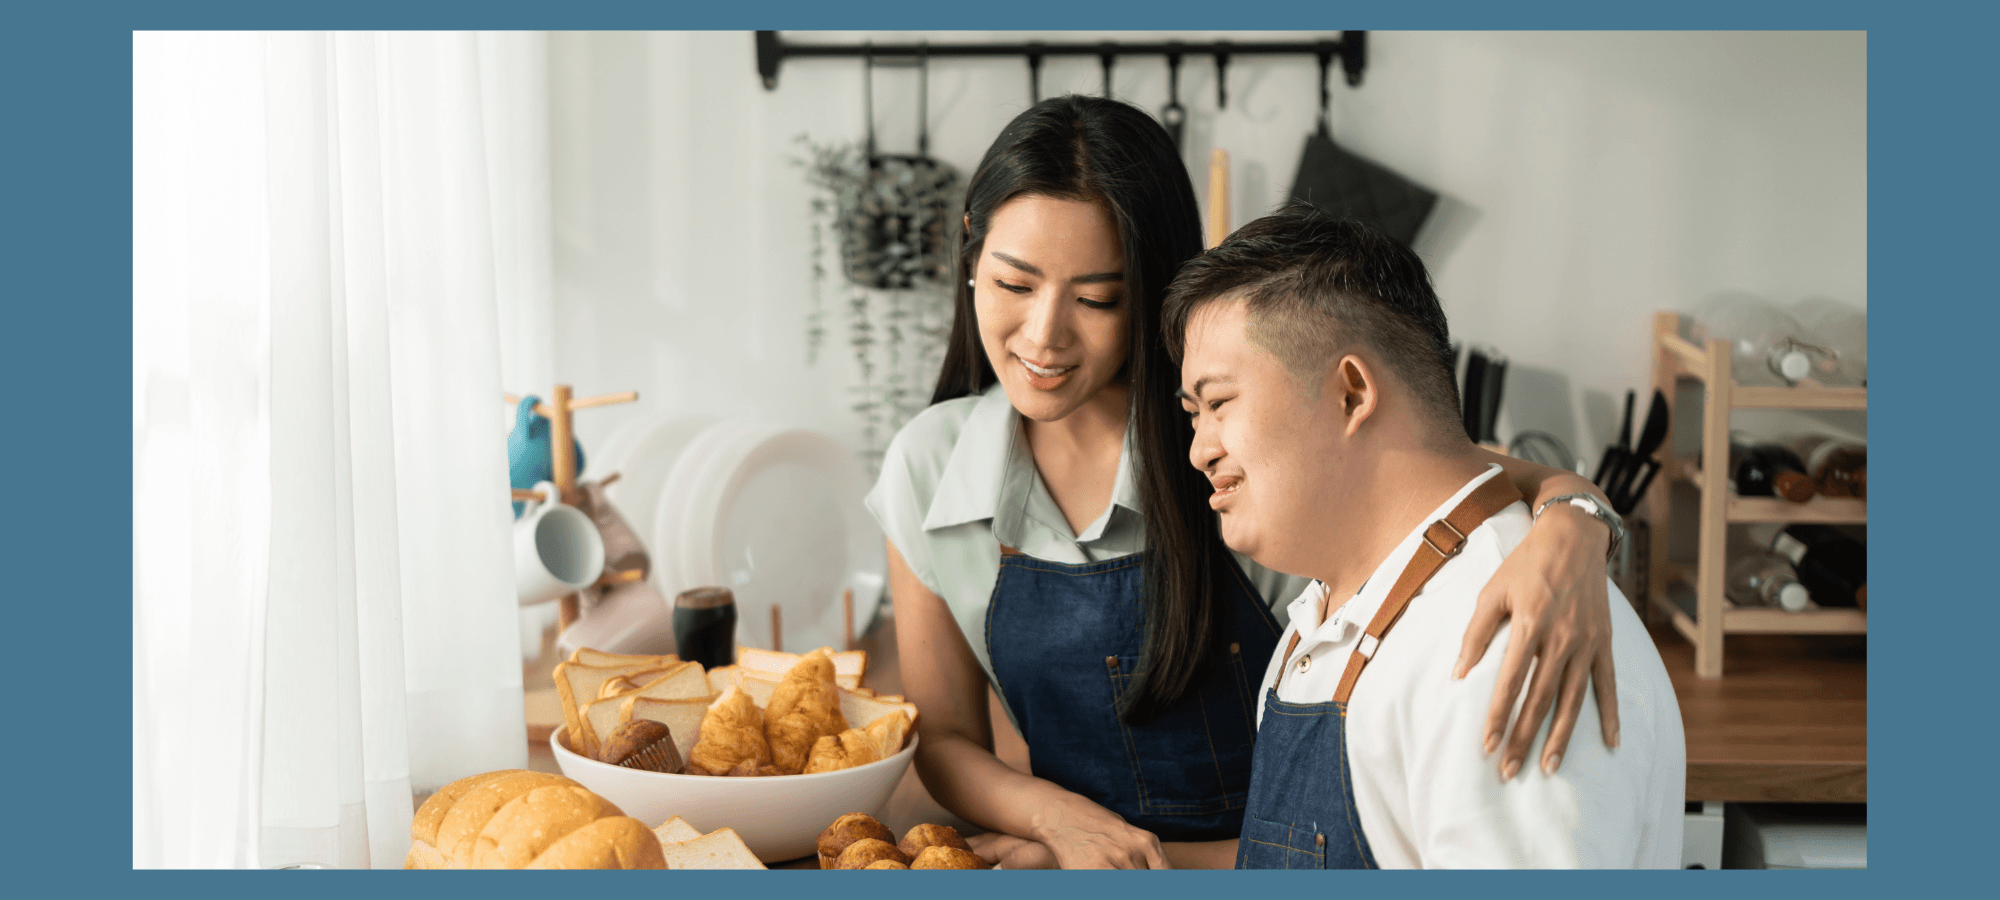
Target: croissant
882,739
804,707
731,732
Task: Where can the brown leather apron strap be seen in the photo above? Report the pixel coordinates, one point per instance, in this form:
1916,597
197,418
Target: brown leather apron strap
1293,645
1442,541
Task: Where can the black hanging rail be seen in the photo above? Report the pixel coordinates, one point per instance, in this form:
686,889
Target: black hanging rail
1351,49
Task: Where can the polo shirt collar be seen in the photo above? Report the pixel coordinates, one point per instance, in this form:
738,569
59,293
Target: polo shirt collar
1353,615
991,475
970,487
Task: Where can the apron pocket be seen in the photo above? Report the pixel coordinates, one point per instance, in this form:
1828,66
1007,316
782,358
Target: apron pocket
1193,759
1273,845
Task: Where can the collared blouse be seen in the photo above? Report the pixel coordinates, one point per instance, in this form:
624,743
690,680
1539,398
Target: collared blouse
959,480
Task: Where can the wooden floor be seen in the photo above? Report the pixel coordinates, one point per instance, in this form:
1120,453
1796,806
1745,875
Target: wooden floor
1787,722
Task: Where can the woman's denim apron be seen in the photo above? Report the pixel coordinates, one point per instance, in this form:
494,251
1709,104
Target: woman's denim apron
1064,641
1302,813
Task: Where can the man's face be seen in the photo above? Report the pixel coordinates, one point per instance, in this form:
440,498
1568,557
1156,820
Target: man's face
1271,450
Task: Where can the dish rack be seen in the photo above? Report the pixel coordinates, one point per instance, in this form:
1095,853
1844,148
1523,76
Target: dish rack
1675,358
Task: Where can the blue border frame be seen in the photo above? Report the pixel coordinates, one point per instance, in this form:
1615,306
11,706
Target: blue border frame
1931,182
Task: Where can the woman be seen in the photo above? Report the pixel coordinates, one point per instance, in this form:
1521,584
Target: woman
1046,536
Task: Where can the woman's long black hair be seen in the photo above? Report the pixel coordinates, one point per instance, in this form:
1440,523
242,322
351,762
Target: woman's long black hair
1091,148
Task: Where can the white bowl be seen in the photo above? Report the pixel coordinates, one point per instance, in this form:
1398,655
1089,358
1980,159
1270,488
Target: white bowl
779,817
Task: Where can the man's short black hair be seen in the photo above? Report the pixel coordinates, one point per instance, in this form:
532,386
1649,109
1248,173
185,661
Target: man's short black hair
1318,287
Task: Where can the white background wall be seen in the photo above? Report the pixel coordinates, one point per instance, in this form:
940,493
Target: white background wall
1588,180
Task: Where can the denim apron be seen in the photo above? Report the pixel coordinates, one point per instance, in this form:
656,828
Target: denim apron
1302,813
1064,641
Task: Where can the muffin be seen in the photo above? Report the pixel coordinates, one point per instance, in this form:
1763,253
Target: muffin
923,836
948,858
846,830
868,850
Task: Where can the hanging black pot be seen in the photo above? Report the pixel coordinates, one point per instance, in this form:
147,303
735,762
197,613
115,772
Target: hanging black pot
897,230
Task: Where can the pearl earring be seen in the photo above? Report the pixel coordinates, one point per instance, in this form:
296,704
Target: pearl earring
968,283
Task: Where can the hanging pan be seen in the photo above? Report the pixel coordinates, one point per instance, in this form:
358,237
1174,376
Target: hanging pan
896,231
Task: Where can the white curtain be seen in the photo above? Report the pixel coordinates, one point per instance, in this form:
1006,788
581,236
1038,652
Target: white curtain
331,235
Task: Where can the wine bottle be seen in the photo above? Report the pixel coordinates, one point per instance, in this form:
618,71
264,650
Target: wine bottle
1766,580
1766,470
1832,566
1839,468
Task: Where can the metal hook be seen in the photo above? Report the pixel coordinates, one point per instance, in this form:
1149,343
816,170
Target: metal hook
1107,56
1222,75
1325,52
1034,72
923,98
868,92
1174,116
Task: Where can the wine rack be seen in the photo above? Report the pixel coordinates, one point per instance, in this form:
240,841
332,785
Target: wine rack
1676,358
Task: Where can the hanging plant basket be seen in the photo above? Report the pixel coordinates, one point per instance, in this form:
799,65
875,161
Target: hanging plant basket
894,225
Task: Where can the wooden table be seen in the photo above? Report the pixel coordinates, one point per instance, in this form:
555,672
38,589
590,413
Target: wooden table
1787,724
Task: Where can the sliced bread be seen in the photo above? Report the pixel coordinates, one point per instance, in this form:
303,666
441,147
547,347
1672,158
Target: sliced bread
719,849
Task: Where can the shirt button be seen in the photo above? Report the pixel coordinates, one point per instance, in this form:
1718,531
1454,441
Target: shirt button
1305,663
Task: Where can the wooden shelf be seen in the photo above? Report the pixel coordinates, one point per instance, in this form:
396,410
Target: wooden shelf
1738,620
1696,362
1808,621
1818,510
1798,398
1674,358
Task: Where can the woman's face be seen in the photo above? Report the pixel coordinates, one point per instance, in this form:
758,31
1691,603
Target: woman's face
1049,287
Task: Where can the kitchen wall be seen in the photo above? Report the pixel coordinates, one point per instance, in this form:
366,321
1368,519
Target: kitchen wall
1588,180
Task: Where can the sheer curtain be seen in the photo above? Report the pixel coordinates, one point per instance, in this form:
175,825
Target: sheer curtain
331,233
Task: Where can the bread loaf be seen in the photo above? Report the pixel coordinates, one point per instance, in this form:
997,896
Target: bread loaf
515,819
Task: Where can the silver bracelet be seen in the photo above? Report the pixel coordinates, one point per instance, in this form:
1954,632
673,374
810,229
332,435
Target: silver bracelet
1598,511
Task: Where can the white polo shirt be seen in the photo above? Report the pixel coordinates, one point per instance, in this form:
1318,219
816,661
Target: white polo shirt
1427,796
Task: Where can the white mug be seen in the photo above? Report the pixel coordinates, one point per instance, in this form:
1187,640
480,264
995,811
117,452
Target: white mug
557,549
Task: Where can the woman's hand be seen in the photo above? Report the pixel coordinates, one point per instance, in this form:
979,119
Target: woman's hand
1553,588
1082,835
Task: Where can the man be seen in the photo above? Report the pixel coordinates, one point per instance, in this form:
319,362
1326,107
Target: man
1318,372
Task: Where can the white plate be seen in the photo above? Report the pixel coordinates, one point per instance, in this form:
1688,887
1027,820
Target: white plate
642,453
774,514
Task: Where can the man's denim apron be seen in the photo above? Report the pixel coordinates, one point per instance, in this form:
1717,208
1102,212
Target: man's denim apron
1302,813
1064,641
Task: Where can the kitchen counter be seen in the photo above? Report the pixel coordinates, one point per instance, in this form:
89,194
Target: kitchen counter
1787,724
